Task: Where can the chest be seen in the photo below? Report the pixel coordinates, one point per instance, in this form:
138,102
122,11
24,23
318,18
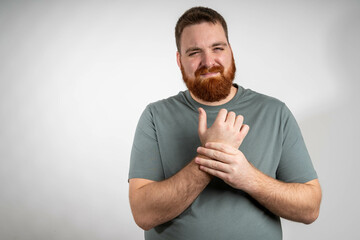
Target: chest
178,139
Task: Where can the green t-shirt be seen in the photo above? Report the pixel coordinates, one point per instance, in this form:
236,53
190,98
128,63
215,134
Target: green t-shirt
166,139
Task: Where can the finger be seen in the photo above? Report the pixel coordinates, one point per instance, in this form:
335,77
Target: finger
239,122
222,147
230,118
214,154
221,117
213,172
202,121
244,130
213,164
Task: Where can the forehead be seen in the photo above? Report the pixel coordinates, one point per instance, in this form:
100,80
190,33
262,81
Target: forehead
202,35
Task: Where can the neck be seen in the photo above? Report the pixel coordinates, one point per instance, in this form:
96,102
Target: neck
232,93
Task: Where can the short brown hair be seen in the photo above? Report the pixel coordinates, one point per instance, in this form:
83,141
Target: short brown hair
198,15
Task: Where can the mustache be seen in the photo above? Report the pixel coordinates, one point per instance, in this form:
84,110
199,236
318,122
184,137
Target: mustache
204,70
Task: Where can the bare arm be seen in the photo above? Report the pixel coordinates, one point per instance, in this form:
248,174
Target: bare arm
154,203
298,202
294,201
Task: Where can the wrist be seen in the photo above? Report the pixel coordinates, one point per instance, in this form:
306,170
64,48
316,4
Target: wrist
199,172
253,180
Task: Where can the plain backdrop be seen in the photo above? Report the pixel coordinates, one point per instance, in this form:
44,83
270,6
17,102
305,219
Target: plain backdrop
76,75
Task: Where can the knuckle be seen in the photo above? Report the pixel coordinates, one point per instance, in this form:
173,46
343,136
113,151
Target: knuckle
218,124
227,178
223,148
214,165
216,155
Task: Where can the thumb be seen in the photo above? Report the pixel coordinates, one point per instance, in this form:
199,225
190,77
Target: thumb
202,121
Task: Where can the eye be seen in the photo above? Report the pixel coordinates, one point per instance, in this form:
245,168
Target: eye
218,49
193,53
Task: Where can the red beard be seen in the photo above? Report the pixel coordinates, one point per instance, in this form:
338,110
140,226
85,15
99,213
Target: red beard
211,89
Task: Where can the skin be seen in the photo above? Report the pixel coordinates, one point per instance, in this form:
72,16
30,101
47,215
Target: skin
206,45
154,203
166,199
293,201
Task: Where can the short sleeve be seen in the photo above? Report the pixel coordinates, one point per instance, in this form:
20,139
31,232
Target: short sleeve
145,159
295,164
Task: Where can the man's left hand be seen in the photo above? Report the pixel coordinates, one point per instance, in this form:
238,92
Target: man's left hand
294,201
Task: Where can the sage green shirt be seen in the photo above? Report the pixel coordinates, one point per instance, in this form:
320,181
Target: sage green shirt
166,139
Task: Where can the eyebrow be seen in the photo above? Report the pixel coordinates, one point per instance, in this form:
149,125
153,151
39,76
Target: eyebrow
199,49
219,44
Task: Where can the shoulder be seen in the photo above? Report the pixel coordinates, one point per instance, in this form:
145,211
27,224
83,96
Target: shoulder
168,104
158,110
262,100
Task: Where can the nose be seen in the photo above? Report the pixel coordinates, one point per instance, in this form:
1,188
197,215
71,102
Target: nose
207,60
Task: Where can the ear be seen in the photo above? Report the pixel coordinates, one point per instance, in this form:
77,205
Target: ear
178,59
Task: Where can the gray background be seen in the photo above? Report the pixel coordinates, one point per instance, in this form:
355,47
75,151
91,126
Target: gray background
75,77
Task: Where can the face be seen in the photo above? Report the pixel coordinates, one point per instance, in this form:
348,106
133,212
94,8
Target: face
206,61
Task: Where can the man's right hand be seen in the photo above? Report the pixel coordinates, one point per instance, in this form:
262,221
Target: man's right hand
227,128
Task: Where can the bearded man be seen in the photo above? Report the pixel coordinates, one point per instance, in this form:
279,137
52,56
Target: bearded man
188,181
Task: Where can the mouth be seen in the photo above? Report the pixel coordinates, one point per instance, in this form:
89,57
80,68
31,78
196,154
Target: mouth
209,74
204,72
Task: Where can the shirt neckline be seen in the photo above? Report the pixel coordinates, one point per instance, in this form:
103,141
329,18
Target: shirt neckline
216,109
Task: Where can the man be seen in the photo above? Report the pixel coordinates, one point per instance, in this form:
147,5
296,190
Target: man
188,181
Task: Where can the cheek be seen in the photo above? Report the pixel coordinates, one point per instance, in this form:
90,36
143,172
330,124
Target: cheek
193,68
190,68
226,62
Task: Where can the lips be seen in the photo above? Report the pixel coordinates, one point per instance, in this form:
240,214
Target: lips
208,72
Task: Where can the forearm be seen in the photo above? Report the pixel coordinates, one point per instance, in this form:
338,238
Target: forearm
294,201
158,202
